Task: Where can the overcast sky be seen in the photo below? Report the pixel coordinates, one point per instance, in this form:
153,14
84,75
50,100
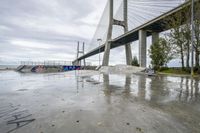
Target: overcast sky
46,29
38,30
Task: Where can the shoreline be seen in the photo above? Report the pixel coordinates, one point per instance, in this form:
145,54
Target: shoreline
178,75
121,73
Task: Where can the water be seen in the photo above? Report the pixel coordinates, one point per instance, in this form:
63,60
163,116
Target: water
89,102
8,66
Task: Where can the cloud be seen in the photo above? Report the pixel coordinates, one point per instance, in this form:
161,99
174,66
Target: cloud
50,29
31,44
46,30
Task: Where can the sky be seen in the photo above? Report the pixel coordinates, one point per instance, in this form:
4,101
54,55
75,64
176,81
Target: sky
46,29
41,30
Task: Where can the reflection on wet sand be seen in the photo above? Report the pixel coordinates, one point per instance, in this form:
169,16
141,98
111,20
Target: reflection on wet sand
174,97
127,90
189,93
141,88
155,89
104,103
106,87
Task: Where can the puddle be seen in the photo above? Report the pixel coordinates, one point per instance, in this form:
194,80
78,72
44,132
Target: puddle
22,90
112,102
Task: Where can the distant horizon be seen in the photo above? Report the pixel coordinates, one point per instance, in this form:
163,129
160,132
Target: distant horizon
173,63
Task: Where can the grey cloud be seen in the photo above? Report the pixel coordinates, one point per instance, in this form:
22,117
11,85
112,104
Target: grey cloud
54,22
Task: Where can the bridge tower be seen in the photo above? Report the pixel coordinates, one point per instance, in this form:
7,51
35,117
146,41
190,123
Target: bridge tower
80,51
124,24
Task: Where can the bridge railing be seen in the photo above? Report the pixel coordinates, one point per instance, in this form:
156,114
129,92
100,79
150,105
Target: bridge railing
50,63
46,63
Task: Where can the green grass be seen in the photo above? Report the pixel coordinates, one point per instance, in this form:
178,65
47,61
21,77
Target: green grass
174,71
178,71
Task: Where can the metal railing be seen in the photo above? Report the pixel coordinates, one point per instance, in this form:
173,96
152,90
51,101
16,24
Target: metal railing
50,63
46,63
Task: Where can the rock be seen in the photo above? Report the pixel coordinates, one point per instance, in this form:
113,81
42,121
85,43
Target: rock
139,129
99,124
121,69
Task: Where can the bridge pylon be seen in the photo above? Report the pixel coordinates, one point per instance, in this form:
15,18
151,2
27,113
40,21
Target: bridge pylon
79,51
124,24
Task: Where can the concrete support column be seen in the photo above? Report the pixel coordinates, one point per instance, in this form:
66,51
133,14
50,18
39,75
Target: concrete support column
124,23
76,63
84,62
128,54
79,63
106,54
127,46
109,36
155,37
142,47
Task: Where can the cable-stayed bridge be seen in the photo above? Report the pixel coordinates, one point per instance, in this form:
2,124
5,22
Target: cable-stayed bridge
126,21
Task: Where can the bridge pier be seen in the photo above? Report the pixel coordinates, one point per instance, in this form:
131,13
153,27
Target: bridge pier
142,48
106,54
155,37
76,63
109,36
128,54
127,46
124,24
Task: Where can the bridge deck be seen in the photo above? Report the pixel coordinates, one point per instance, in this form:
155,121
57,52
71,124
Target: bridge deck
158,24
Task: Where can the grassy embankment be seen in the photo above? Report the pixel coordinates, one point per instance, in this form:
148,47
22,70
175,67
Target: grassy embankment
177,71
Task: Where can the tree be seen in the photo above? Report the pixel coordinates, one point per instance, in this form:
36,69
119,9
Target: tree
177,41
135,61
186,31
160,53
180,34
179,26
197,34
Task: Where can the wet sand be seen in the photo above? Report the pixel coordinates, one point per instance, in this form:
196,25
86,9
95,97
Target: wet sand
90,102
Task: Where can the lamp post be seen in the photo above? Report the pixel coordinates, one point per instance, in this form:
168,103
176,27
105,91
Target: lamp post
192,38
99,40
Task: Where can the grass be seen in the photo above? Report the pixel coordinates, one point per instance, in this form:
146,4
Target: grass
175,71
178,71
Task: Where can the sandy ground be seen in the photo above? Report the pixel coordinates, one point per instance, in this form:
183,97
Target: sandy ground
120,69
92,102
